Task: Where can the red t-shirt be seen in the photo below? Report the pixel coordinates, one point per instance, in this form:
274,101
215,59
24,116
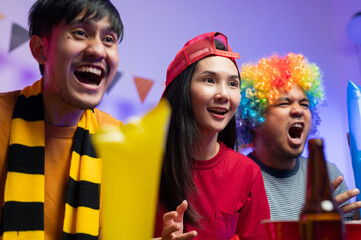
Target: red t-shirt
232,199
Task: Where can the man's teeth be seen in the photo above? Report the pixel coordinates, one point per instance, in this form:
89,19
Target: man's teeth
90,70
297,125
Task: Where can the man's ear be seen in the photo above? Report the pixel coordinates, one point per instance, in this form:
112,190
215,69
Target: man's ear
38,47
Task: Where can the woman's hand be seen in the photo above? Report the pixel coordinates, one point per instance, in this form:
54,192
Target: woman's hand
173,224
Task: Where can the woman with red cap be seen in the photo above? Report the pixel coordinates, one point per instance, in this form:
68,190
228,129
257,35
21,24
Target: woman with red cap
207,190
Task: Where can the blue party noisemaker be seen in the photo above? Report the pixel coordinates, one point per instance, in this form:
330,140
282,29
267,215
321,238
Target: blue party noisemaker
354,121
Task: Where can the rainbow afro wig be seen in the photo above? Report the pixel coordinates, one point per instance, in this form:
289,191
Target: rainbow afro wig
261,86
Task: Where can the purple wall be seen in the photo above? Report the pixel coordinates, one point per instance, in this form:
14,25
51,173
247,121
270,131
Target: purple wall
155,31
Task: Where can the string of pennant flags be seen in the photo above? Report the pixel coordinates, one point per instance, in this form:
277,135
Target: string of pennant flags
20,35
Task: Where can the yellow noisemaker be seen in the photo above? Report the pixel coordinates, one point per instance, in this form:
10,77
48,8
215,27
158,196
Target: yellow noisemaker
132,157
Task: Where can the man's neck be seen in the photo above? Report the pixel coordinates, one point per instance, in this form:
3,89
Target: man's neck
59,114
274,161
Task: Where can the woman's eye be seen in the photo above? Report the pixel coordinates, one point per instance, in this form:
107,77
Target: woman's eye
234,84
208,80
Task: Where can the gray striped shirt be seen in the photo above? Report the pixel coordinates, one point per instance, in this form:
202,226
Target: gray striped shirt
286,189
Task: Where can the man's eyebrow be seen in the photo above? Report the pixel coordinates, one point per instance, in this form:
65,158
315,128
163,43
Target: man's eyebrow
281,99
305,99
80,21
88,21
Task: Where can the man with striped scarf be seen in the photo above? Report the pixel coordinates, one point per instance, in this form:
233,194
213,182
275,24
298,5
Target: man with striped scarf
50,176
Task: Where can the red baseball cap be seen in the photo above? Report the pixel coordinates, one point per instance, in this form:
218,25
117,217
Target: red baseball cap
196,49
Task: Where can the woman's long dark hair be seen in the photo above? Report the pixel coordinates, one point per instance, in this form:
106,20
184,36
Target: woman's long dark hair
183,137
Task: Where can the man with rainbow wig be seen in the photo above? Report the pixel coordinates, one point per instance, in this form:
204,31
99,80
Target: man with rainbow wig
278,111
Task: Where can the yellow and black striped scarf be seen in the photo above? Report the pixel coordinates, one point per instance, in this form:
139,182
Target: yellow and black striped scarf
23,210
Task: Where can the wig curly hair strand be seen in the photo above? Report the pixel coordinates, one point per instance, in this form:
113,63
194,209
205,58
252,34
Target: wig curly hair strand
261,86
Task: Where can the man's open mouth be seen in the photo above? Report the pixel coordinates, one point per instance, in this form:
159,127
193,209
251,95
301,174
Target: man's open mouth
295,131
89,75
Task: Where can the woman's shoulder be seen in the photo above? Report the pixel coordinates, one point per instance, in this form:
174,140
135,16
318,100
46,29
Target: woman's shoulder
238,160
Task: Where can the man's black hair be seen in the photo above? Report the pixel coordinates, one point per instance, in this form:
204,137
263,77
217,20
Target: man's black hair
45,14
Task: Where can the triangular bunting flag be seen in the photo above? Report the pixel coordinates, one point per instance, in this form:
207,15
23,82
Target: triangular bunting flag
19,35
115,80
143,86
2,16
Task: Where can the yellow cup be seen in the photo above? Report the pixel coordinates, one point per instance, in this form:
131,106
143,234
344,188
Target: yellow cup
132,158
